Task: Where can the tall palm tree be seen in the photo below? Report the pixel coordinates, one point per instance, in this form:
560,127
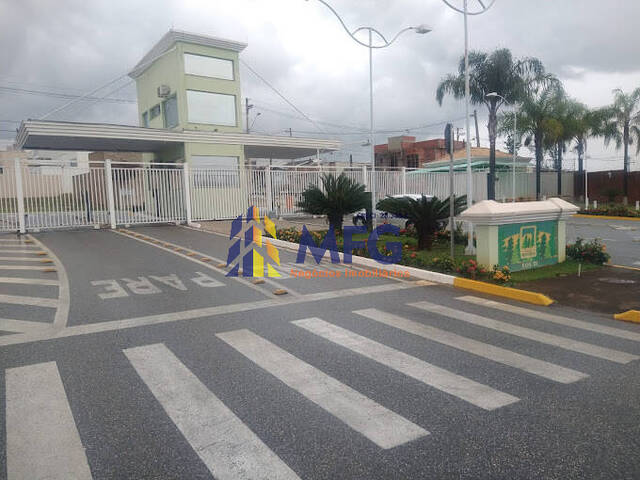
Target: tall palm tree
496,72
623,126
537,120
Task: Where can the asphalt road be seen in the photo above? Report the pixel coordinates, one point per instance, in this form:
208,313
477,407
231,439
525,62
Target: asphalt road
622,237
138,358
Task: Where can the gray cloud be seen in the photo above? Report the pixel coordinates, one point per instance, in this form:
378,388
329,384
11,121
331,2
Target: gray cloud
73,46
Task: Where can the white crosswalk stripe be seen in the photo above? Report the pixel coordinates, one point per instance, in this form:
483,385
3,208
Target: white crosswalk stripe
33,301
535,335
29,281
473,392
229,449
42,438
549,317
380,425
491,352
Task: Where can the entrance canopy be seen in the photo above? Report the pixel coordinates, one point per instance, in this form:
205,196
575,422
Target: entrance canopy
50,135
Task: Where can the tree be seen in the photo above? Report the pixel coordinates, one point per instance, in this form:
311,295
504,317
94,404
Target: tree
623,126
339,196
497,72
537,119
425,214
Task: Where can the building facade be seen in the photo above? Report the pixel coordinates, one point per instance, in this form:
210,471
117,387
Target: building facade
404,151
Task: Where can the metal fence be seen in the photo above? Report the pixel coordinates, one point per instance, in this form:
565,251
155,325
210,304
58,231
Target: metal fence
45,196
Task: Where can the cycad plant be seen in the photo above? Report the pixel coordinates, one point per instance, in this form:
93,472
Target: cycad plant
339,196
425,214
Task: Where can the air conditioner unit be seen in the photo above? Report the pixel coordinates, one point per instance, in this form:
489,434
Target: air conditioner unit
164,91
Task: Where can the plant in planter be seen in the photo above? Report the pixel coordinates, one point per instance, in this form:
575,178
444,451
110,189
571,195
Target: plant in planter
338,197
426,215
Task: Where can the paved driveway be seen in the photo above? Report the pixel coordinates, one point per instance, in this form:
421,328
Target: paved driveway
622,237
132,355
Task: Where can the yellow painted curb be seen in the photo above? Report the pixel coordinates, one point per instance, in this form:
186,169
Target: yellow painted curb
607,217
628,316
507,292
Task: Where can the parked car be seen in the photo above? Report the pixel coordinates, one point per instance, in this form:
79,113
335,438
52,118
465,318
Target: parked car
360,217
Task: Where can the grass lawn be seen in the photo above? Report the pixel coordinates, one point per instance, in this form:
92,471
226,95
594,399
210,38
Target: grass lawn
570,267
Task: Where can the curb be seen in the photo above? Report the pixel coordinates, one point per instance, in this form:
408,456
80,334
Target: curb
506,292
607,217
442,278
369,262
628,316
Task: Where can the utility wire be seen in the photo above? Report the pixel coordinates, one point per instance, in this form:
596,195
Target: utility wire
282,96
23,91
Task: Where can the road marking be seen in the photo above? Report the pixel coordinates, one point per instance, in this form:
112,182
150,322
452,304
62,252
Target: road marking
7,240
185,315
28,281
22,326
228,448
461,387
500,355
22,259
535,335
42,437
549,317
380,425
33,301
245,281
22,267
33,250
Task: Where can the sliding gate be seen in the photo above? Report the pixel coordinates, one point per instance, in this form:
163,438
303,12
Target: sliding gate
50,195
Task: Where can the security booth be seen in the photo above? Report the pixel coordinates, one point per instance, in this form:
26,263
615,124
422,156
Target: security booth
520,235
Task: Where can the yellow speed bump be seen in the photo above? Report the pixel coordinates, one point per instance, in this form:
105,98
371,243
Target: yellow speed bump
41,253
506,292
258,281
49,270
221,265
46,260
280,291
628,316
205,259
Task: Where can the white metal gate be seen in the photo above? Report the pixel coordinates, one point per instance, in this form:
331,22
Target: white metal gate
49,195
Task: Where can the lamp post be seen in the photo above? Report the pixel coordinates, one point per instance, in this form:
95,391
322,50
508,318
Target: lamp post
420,29
465,11
515,133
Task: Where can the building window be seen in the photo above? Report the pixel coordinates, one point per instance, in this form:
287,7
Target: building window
208,66
215,171
154,112
145,119
412,161
170,107
211,108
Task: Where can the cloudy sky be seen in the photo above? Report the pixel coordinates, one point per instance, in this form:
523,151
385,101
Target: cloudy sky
71,47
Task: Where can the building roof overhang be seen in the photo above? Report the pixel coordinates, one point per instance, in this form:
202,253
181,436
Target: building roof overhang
170,38
51,135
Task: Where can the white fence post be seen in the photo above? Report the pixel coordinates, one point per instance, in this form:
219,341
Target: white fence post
187,191
364,177
404,180
19,195
110,199
267,181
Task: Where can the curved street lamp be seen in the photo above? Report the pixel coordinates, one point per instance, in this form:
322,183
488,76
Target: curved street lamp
382,43
466,12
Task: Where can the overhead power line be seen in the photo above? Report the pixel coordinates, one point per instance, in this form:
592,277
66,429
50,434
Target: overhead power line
24,91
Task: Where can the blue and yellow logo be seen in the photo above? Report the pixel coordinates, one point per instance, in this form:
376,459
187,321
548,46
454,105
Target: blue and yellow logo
255,241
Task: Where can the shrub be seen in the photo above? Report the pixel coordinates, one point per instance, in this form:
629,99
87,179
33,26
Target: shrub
501,275
290,234
443,264
469,268
593,251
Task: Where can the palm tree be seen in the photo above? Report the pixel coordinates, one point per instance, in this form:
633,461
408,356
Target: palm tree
537,119
338,197
623,126
425,214
497,72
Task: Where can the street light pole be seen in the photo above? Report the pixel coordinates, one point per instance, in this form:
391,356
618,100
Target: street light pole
470,250
420,29
513,138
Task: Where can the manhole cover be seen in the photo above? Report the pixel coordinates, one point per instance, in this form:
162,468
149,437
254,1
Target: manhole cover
617,281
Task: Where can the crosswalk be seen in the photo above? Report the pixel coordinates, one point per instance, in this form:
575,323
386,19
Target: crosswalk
24,265
43,440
